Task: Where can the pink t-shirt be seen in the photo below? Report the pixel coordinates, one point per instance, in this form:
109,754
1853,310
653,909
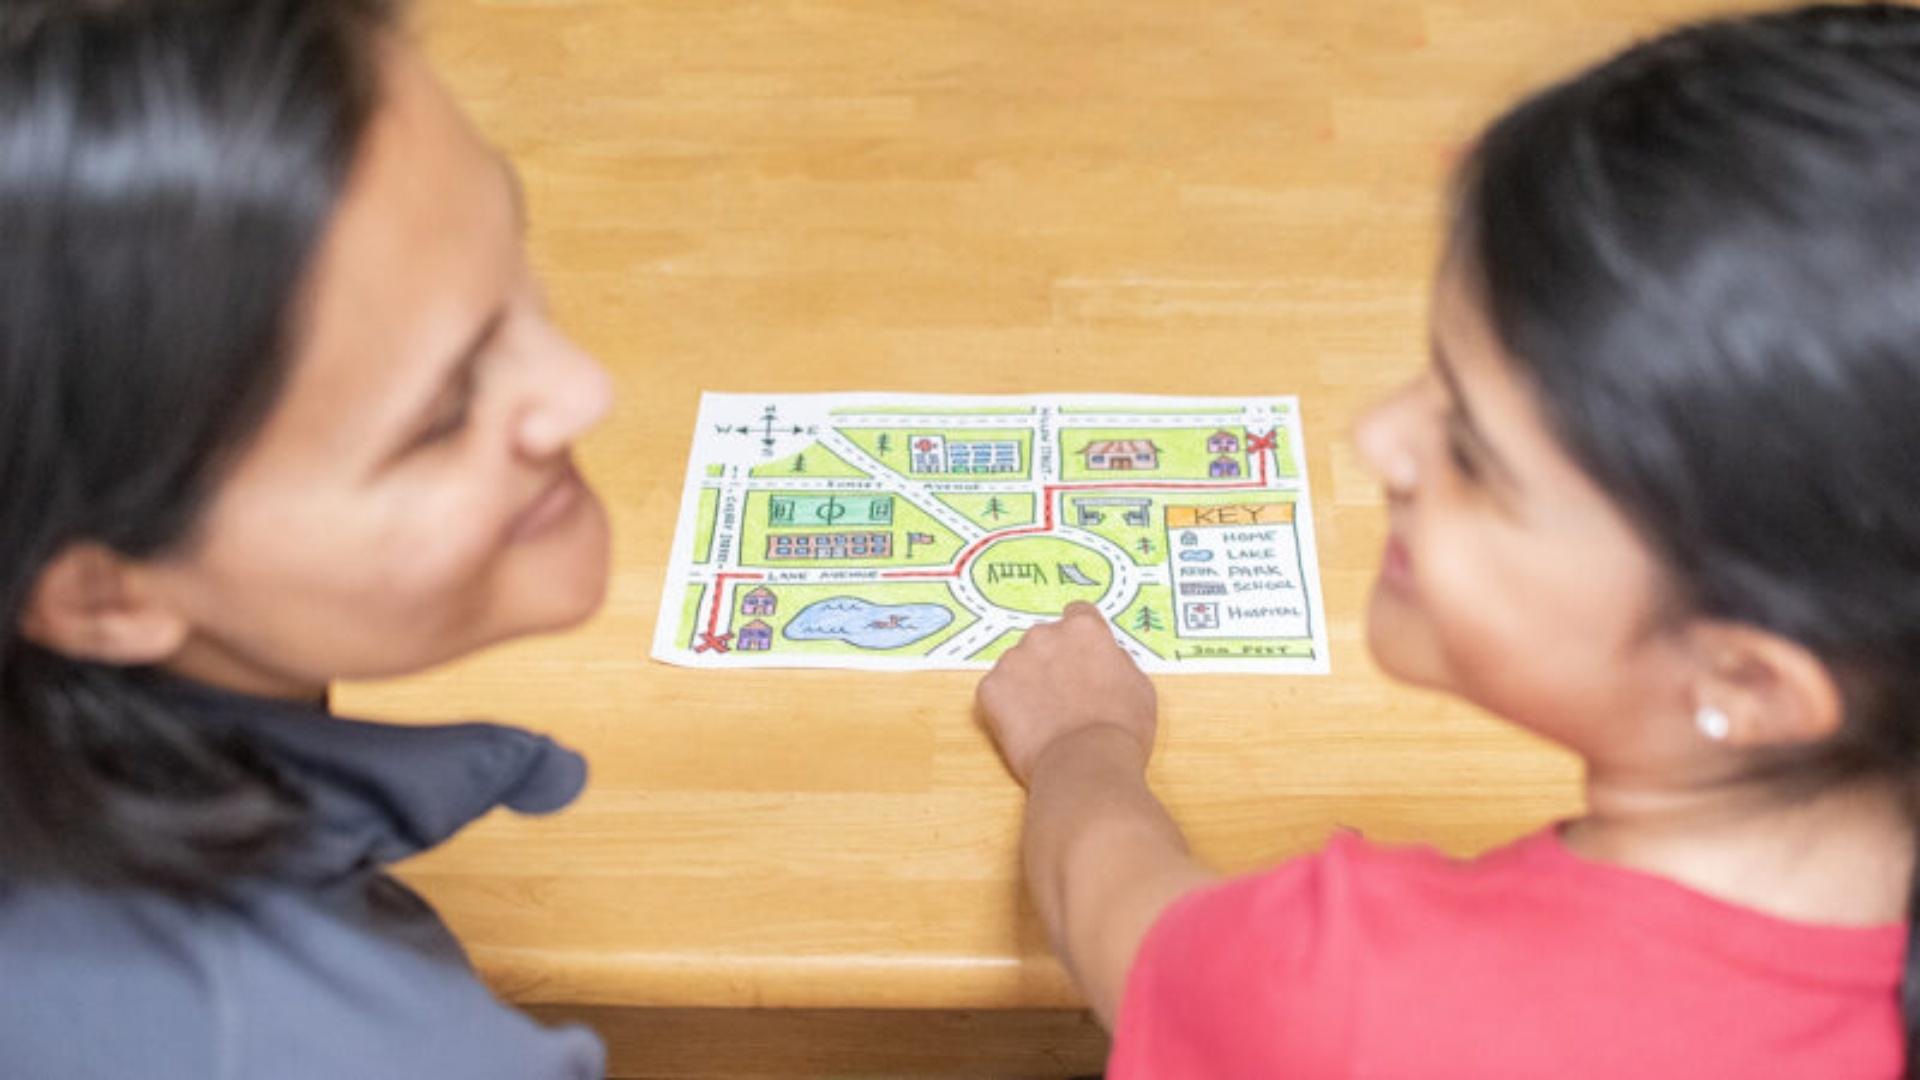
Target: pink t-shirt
1402,964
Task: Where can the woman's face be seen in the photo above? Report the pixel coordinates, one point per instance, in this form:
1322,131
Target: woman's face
412,495
1508,577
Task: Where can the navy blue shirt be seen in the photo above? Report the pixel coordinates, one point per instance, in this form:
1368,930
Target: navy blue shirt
326,968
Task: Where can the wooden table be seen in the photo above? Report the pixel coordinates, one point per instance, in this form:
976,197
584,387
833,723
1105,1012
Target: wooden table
950,196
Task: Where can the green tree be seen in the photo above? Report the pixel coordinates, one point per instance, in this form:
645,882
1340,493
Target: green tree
995,509
800,463
1147,622
884,444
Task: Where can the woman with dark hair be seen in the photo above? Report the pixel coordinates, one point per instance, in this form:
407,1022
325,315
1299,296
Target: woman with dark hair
1656,498
279,404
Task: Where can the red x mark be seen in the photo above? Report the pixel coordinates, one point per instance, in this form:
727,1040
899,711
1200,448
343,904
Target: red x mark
1257,443
716,642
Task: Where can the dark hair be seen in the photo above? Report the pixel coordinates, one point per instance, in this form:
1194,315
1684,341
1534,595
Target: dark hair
167,168
1704,256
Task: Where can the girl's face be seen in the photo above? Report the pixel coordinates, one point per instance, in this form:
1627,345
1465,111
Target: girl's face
1508,577
412,495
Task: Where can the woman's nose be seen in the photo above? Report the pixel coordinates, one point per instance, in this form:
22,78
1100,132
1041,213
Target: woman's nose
570,393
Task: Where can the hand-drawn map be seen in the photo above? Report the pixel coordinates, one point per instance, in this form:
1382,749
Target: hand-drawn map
917,532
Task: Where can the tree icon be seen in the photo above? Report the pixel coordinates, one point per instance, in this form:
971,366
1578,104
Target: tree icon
995,508
1145,545
1147,622
800,463
884,444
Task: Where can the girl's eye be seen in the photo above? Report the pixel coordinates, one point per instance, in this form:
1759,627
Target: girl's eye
1458,451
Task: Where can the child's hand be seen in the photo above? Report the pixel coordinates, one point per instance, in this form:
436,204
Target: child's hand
1063,678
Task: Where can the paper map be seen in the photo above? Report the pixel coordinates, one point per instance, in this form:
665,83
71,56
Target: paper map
896,531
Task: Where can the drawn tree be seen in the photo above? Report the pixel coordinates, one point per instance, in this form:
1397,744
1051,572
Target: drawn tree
1147,622
800,463
884,444
1146,545
995,509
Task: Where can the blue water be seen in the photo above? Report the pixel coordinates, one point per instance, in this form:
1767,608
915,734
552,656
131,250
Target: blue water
866,625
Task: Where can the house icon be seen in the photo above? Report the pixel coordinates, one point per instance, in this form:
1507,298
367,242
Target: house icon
756,636
1224,468
760,601
1122,454
1223,442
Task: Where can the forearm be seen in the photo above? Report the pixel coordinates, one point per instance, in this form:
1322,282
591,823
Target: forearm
1103,858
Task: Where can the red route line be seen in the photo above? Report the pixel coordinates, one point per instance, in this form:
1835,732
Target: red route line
720,592
1049,491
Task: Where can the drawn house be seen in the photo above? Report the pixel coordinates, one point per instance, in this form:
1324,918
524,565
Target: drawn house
1224,468
1223,442
759,602
756,636
1121,455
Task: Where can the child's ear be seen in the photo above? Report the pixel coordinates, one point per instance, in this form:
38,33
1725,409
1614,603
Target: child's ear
92,604
1772,690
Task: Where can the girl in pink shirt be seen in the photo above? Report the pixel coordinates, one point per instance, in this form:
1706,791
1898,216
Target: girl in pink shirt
1656,498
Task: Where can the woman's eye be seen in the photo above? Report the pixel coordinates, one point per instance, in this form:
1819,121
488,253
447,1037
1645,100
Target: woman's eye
446,426
452,417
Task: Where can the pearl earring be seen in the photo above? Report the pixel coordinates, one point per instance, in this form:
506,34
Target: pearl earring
1712,722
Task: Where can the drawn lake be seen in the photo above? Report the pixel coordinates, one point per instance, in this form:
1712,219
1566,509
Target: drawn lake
866,625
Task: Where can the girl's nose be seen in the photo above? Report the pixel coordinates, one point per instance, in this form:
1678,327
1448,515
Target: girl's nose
1385,438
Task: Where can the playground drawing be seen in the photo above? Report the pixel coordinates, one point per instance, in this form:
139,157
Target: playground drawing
921,532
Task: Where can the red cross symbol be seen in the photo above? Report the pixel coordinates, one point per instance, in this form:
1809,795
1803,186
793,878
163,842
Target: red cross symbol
716,642
1257,443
